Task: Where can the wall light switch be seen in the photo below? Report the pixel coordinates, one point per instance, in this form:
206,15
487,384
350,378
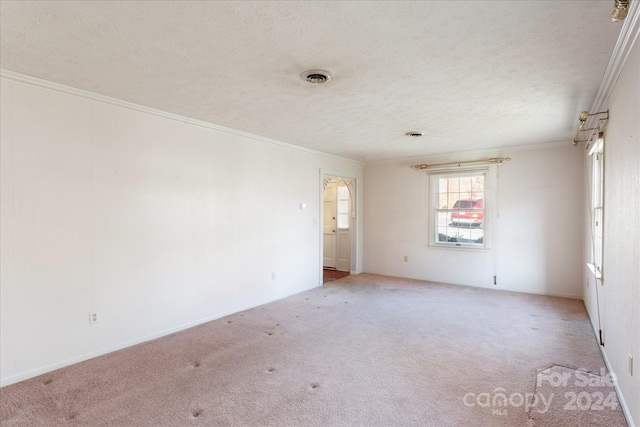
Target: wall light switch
303,206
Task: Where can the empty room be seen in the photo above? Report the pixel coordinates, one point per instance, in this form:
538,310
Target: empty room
320,213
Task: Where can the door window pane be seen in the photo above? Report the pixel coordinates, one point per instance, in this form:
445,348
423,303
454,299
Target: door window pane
344,207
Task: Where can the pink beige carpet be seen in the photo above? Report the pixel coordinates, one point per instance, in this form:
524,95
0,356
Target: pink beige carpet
361,351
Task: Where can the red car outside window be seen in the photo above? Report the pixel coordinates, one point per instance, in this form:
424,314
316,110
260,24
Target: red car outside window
470,216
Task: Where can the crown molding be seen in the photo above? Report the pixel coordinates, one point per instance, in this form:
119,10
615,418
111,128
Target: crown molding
489,152
626,39
34,81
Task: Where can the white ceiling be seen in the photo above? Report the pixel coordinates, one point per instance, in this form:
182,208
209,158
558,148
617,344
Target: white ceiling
470,74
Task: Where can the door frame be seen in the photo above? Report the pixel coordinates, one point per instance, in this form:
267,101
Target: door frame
353,223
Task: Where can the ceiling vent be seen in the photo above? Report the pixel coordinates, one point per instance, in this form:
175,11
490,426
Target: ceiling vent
414,134
316,76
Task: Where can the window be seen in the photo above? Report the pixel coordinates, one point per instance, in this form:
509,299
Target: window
343,206
597,187
458,208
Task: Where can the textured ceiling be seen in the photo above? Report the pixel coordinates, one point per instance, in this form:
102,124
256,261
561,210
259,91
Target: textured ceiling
470,74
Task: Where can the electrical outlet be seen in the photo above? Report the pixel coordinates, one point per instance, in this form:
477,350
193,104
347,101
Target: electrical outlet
273,276
406,258
93,317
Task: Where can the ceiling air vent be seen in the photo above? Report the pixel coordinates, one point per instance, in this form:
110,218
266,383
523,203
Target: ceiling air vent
316,76
414,134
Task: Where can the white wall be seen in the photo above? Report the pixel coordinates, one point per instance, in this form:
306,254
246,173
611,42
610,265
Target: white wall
535,224
619,292
155,223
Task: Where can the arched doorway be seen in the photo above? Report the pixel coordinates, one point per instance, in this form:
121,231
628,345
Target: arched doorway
338,224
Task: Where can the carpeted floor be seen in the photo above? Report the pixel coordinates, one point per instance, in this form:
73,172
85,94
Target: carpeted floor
364,350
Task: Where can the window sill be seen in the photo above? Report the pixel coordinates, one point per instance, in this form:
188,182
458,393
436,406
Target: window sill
462,247
595,271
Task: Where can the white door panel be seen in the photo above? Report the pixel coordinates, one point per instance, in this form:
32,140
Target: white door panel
344,250
329,254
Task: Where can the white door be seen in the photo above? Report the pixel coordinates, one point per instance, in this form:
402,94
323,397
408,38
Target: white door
343,227
329,245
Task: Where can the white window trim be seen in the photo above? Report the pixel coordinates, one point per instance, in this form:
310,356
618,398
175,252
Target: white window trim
597,249
489,197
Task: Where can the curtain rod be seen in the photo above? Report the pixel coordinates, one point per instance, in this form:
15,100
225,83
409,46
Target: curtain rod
582,120
491,161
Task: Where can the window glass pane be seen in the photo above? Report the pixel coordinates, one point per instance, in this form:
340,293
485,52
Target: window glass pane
459,210
343,221
597,246
343,192
465,185
597,180
442,185
454,185
343,207
597,201
453,198
442,201
477,187
444,232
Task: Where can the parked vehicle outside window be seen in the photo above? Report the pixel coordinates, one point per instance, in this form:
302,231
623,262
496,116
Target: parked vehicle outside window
471,216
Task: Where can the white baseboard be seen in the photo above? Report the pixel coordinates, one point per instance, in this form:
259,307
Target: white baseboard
487,286
621,400
623,403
